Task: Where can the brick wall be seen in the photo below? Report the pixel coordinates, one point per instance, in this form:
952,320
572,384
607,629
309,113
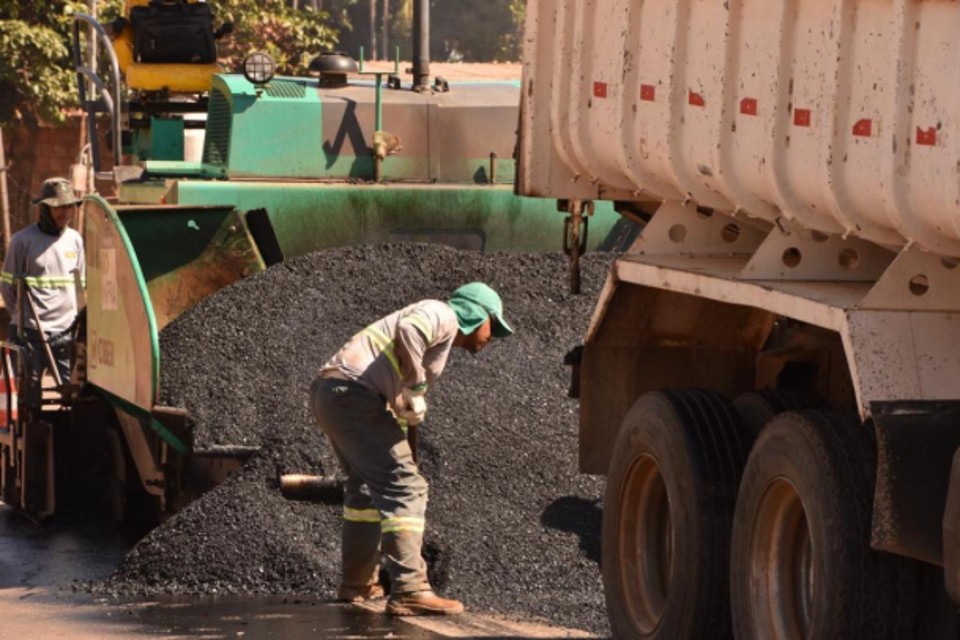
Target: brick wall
34,156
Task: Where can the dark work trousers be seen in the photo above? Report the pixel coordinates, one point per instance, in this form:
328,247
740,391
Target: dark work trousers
35,362
385,497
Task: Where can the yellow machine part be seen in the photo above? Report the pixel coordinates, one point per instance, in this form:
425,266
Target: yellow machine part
175,78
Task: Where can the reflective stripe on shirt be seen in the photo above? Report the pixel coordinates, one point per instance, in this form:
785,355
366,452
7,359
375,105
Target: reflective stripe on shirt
40,282
420,324
394,352
386,347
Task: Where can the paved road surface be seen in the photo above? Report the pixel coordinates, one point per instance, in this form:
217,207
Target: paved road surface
42,568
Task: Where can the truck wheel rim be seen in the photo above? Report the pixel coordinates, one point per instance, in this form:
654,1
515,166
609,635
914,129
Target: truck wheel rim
646,544
782,576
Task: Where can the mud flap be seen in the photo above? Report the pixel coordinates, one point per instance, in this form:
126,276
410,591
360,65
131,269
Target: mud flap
916,441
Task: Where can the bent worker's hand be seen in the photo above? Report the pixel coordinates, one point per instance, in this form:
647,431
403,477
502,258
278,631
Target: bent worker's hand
411,419
416,407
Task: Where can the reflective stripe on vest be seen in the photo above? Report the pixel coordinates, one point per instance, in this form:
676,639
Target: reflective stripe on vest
403,523
361,515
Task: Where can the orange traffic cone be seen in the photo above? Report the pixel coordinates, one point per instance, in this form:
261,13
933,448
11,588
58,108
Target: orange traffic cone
8,395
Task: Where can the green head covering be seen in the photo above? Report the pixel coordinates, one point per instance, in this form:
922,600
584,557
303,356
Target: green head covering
474,303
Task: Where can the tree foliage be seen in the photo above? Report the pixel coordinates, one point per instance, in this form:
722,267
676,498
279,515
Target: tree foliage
293,36
35,81
477,31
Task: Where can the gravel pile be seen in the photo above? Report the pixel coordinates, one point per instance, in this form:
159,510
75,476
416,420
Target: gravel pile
512,526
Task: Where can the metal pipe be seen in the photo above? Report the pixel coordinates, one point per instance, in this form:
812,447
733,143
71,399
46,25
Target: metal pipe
571,241
421,45
116,103
377,157
306,487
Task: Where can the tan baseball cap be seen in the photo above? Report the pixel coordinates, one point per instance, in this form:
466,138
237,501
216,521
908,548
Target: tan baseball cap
57,192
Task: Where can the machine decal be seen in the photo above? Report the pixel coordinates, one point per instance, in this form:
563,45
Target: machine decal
108,265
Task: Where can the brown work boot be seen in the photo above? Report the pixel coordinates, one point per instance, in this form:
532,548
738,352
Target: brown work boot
355,595
422,603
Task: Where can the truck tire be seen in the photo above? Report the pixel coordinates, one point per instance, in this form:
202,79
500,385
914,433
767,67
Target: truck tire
801,564
757,408
668,509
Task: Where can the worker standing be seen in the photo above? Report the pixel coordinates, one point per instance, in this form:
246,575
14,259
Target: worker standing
362,398
44,257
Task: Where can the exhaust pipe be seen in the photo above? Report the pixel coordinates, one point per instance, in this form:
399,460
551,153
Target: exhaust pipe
421,45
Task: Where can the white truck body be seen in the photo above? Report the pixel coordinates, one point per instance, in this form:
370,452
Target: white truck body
796,167
839,115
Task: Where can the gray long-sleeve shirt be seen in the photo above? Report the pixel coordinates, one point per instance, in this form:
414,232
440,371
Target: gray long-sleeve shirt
408,348
46,264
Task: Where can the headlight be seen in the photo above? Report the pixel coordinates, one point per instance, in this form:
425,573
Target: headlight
259,68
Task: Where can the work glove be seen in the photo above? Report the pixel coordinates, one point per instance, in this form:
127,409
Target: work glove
415,407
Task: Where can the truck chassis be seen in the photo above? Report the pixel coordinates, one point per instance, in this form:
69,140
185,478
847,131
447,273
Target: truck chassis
820,487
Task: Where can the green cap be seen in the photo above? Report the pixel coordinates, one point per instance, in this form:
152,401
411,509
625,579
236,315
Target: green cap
474,303
57,192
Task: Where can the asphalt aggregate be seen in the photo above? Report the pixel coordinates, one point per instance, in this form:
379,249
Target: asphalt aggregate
512,526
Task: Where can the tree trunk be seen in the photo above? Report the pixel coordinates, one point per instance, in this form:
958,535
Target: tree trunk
373,29
4,196
386,30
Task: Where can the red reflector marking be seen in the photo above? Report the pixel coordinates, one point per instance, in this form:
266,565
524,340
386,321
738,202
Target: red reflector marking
696,99
748,106
600,89
863,128
648,92
801,117
928,137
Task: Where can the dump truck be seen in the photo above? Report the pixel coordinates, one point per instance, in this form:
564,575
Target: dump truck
283,166
771,377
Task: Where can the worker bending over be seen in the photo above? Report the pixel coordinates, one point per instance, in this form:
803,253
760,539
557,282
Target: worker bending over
43,257
362,398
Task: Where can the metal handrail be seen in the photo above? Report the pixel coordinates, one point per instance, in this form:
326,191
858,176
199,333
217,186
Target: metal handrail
114,105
